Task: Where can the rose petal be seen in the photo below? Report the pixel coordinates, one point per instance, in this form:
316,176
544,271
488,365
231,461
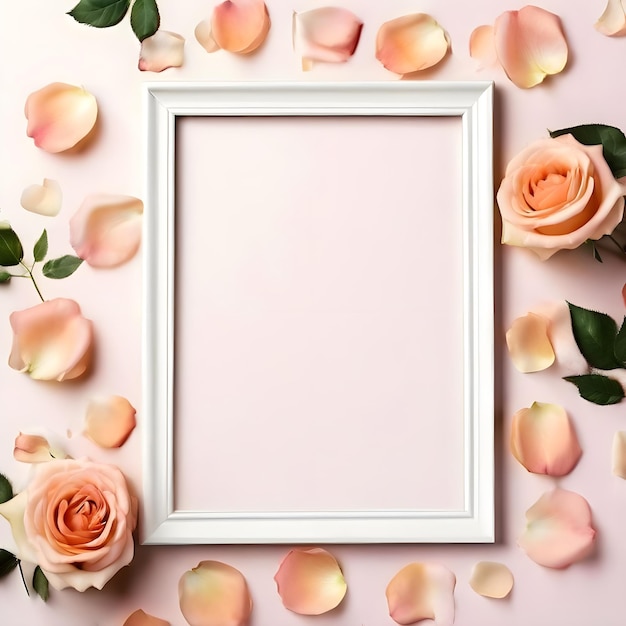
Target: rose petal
43,199
492,580
558,531
411,43
109,421
422,591
240,25
543,440
214,594
618,454
328,34
161,51
530,45
59,116
35,449
613,21
204,35
13,511
483,46
106,229
51,341
140,618
528,343
310,581
624,294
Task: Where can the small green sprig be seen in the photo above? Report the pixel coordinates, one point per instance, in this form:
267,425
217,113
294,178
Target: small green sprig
12,256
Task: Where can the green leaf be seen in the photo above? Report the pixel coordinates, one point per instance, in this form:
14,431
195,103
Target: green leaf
100,13
612,139
40,584
145,18
41,247
5,277
620,344
11,251
597,388
6,489
8,562
595,335
62,267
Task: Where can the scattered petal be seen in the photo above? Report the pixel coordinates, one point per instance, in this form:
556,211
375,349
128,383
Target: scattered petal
35,449
161,51
558,531
422,591
483,46
43,199
613,21
106,229
51,340
59,116
109,421
492,580
214,594
140,618
619,454
327,34
310,581
528,343
411,43
543,440
530,45
240,25
204,35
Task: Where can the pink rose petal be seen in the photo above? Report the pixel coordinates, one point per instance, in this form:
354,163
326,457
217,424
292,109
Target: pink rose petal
240,26
214,594
543,440
612,22
530,45
411,43
492,580
528,343
483,46
109,421
35,449
106,229
161,51
310,581
422,591
59,116
43,199
140,618
558,531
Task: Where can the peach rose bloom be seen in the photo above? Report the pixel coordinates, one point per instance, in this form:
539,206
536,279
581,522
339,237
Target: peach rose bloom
556,194
75,520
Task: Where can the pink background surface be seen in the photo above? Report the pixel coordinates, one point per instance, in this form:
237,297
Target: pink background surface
40,45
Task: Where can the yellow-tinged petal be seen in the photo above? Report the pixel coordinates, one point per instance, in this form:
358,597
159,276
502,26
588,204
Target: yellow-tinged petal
492,580
612,22
543,440
141,618
161,51
240,25
530,45
109,421
411,43
528,343
59,116
214,594
327,34
422,591
106,229
310,581
483,46
204,35
43,199
558,529
618,460
13,511
35,449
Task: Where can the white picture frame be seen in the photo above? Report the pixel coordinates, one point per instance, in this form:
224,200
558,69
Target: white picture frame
472,102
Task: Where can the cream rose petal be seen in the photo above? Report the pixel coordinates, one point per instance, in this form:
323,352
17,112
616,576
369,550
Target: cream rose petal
482,46
204,35
327,34
43,199
543,440
59,116
141,618
618,454
558,530
492,580
530,45
411,43
612,22
109,421
35,449
310,581
161,51
106,229
240,26
214,594
422,591
528,343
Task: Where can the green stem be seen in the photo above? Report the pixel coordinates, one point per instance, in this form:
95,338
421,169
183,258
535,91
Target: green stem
19,566
30,274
